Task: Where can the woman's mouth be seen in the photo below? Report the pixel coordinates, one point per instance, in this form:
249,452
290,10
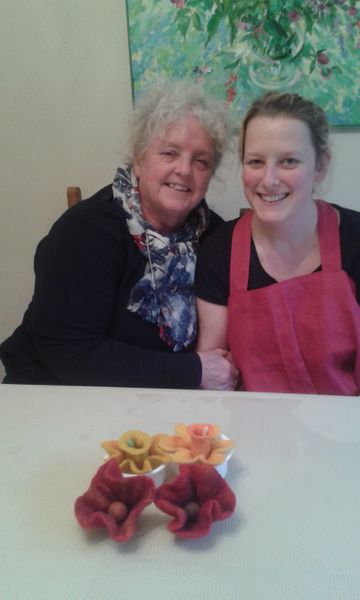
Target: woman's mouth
178,187
270,198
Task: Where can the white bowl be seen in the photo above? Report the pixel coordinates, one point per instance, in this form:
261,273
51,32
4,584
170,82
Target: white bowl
157,475
223,467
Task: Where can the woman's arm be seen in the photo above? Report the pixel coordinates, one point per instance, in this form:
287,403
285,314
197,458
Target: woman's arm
212,344
212,326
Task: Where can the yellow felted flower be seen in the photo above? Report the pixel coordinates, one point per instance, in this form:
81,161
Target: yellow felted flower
134,452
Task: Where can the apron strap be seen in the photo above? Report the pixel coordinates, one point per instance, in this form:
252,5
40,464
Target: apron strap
240,254
329,237
329,241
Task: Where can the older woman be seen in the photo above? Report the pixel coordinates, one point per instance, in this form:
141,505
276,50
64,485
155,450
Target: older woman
281,285
113,301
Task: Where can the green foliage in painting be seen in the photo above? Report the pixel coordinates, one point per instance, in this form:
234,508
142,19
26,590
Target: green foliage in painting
237,49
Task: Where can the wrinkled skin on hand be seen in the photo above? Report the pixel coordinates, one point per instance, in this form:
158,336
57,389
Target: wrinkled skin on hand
218,370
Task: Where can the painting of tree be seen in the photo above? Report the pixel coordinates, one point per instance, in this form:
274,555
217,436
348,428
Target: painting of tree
237,49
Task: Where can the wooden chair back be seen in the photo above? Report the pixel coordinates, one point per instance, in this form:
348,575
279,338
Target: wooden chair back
73,195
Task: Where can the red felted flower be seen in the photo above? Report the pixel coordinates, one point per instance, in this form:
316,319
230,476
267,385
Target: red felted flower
195,498
114,502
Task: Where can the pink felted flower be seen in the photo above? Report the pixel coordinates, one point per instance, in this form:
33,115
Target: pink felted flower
114,502
195,498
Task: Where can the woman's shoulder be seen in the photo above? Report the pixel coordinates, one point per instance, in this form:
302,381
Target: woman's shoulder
349,229
349,218
96,214
223,229
213,268
96,208
91,227
216,248
350,243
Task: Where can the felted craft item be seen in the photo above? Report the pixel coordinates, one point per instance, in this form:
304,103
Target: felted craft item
135,452
195,498
114,502
198,443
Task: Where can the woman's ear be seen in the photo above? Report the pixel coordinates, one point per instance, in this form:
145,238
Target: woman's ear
322,166
136,166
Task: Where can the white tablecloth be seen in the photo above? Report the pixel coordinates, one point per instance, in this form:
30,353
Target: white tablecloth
295,534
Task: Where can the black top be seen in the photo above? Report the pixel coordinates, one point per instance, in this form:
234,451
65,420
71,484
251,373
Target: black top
77,329
213,266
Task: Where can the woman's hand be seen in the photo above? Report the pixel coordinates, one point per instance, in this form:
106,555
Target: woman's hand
218,370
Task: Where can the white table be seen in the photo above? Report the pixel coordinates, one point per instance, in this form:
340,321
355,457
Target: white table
295,534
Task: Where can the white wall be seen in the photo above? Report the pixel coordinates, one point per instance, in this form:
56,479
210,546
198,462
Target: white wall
65,96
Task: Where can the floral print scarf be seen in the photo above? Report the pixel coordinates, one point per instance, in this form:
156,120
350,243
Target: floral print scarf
165,293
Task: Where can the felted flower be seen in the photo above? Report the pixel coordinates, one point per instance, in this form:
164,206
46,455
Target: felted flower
135,452
195,498
114,502
198,443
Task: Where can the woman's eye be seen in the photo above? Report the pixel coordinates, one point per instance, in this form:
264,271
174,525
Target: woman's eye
254,162
202,162
290,162
168,153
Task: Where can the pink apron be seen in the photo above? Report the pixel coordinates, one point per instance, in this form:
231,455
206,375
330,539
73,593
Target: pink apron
301,335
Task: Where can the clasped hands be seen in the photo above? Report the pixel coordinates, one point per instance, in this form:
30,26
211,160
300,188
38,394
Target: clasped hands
218,370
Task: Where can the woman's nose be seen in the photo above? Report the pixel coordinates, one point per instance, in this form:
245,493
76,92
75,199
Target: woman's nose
271,176
183,165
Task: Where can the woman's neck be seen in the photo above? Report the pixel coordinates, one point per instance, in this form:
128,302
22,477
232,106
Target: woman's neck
290,231
289,248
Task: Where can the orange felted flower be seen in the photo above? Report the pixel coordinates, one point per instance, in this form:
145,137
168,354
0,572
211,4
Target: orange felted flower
135,452
198,443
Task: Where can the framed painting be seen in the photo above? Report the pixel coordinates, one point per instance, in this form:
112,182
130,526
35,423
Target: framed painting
237,49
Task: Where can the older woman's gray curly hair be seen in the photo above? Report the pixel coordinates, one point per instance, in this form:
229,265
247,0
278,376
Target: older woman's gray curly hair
170,103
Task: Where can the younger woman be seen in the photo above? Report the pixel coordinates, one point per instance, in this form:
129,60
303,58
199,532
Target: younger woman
280,286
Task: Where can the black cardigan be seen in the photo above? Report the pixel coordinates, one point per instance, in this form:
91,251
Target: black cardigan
77,330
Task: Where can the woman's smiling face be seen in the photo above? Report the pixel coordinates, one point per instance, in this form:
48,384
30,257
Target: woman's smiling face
174,173
279,167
